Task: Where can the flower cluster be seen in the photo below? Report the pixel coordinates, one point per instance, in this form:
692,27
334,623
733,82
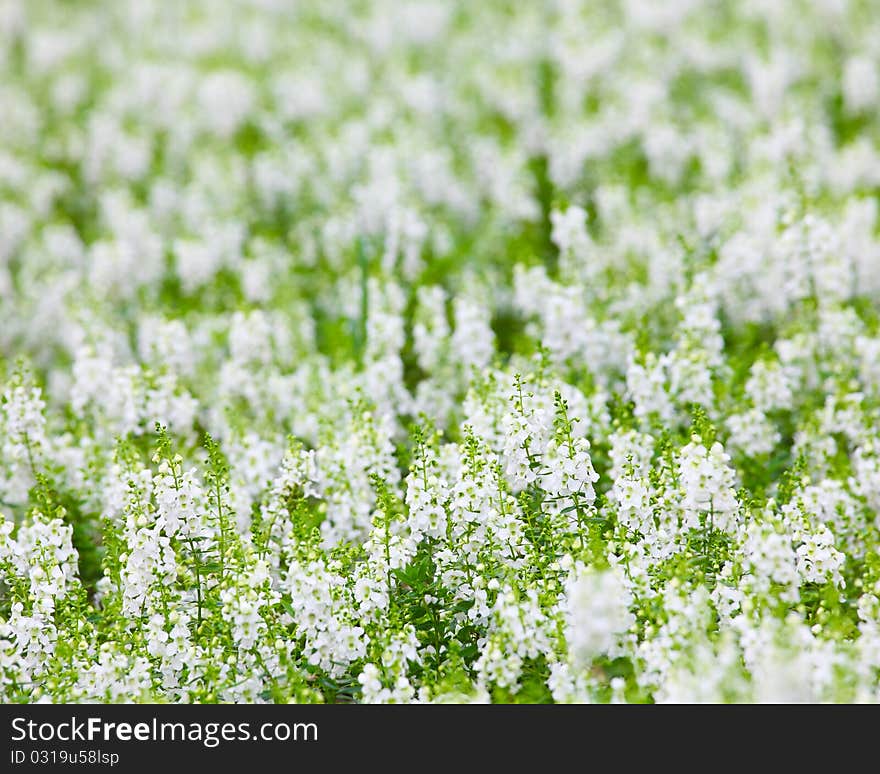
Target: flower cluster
423,351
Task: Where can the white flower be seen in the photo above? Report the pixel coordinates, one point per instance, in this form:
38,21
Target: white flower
596,613
707,480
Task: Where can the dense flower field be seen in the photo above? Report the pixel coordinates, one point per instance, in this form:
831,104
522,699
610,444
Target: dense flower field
439,351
